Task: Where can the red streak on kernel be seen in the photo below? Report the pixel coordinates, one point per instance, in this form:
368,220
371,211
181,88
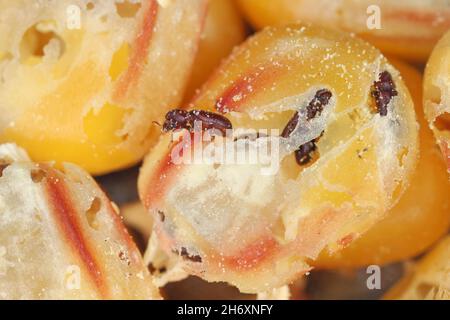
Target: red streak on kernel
422,17
162,177
245,87
347,240
445,147
66,215
253,255
140,51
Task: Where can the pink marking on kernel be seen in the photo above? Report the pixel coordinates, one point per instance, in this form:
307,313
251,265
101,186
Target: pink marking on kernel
422,17
65,213
253,255
445,147
245,87
347,240
141,46
163,176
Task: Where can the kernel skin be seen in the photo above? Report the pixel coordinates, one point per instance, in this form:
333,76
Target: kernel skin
422,215
263,239
436,99
224,29
428,278
62,238
408,30
95,105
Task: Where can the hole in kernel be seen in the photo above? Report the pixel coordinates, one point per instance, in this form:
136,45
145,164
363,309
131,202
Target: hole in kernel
401,155
442,122
127,9
38,41
3,166
91,213
434,94
425,289
37,175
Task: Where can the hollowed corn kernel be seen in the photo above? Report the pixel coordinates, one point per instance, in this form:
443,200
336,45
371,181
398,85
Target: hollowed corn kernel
61,237
91,93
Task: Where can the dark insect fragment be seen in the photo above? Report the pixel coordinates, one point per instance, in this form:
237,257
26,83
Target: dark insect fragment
304,154
161,215
3,166
194,258
382,91
182,119
315,107
290,126
185,254
321,99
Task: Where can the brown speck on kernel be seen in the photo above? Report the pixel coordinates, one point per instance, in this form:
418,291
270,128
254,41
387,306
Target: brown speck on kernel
382,91
3,166
123,257
360,153
161,215
37,175
185,255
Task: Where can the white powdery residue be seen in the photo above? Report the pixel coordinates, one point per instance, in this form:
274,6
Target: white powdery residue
237,97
